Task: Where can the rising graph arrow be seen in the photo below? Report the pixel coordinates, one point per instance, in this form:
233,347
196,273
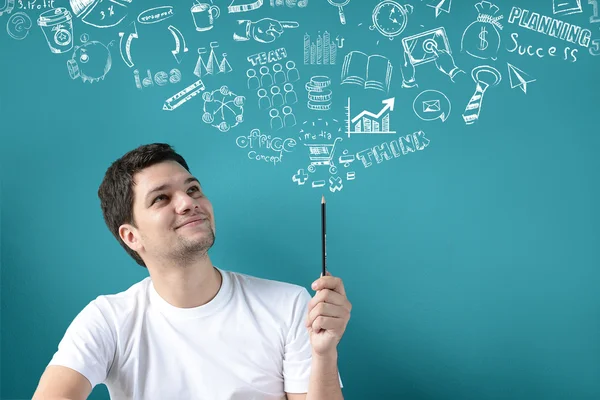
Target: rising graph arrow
389,105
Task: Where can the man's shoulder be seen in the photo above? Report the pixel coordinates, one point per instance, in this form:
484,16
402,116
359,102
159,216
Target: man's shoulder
123,300
274,290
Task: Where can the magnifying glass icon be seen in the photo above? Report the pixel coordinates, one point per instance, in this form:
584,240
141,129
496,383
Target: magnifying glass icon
339,4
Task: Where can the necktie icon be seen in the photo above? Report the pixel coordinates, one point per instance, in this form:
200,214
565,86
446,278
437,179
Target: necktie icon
471,114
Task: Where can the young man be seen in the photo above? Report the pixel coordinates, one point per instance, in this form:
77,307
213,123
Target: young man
192,330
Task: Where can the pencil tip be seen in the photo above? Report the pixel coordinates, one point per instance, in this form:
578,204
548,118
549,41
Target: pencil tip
323,199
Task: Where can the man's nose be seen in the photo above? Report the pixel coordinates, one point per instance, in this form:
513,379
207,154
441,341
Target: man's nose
184,202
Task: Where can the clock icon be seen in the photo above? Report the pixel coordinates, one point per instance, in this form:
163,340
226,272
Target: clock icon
390,18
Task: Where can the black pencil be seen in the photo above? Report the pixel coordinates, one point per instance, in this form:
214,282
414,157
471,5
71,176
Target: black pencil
323,236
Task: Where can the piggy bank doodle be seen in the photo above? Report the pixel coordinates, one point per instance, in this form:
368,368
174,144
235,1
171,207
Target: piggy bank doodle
91,61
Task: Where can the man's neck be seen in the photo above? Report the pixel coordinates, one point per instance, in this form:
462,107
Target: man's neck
187,287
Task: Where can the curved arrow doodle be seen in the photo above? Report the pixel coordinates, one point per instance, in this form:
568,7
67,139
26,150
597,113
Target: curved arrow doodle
125,46
178,40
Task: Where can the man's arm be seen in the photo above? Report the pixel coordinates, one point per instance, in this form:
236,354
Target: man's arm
62,383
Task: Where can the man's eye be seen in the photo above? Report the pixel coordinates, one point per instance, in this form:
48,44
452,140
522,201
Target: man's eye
158,198
196,188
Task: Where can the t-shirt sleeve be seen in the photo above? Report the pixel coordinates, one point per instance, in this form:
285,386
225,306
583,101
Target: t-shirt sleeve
298,352
88,345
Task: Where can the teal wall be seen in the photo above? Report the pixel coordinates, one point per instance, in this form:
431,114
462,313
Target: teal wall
472,263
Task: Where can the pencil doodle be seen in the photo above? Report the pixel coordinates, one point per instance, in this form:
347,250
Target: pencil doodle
238,6
183,96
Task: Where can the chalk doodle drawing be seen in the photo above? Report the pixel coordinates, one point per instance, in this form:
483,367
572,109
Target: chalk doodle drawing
238,6
204,15
225,107
594,18
212,65
183,96
18,25
370,72
127,37
264,147
432,45
518,78
100,13
160,78
390,18
289,3
471,114
410,143
180,46
481,39
155,15
340,5
57,25
368,122
549,26
265,30
319,94
323,51
430,105
90,61
7,6
440,5
566,7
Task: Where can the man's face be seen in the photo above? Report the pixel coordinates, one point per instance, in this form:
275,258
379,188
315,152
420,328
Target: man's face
166,201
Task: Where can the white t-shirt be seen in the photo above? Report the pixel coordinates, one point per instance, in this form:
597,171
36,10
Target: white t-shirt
249,342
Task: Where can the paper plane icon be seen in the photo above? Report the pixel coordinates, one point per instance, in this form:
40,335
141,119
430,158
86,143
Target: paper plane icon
518,78
440,5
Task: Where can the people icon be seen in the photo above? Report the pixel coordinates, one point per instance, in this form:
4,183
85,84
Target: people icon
266,80
292,73
253,82
276,121
290,94
289,119
264,101
278,100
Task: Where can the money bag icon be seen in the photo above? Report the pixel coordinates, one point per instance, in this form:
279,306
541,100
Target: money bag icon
481,39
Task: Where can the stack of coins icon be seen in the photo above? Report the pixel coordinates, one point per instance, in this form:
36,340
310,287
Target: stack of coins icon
319,96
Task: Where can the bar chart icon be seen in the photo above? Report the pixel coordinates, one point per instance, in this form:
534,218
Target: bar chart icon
368,122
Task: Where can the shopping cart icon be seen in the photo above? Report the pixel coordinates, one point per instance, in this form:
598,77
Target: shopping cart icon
322,154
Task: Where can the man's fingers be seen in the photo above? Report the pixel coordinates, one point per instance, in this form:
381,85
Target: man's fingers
329,282
327,323
326,310
327,296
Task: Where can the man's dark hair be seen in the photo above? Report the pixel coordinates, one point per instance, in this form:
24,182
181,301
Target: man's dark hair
116,190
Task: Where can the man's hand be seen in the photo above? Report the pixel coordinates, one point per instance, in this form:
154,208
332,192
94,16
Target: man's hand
328,314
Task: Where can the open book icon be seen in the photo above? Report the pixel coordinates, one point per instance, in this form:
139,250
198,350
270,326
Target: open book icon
370,72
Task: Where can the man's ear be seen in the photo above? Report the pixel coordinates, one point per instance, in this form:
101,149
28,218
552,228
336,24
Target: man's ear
129,235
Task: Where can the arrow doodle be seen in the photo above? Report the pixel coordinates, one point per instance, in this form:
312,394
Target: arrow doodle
125,46
340,45
179,39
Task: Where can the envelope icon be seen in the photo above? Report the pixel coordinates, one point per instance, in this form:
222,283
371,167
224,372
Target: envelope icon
431,106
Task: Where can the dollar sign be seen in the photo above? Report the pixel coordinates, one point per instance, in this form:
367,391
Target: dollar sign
484,43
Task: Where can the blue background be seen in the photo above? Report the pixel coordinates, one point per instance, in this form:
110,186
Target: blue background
472,265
